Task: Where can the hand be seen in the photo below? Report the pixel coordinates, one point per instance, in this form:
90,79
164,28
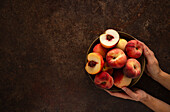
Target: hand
136,95
152,67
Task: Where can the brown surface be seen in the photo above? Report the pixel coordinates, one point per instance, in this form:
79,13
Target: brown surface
43,45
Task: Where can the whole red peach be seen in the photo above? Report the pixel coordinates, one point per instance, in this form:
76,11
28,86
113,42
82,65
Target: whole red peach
132,68
100,49
134,49
116,58
103,80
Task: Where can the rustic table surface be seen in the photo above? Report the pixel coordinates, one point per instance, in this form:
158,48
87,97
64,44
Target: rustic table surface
43,46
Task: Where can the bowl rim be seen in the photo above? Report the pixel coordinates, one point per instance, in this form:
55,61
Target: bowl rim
142,68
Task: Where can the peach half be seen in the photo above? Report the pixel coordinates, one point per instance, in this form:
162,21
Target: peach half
95,63
109,39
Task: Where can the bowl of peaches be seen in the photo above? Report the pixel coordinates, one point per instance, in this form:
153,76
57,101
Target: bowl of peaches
115,59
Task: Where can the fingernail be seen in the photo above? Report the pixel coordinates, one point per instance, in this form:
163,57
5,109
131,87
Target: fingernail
124,88
146,49
105,90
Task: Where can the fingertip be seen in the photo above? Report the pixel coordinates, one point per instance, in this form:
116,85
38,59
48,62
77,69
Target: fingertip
106,90
129,92
124,88
146,51
145,48
141,42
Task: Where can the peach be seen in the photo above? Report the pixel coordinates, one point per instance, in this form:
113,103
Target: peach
107,68
134,49
120,80
121,44
132,68
116,58
100,49
95,63
103,80
109,39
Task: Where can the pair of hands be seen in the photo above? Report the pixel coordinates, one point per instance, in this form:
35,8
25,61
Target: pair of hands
152,69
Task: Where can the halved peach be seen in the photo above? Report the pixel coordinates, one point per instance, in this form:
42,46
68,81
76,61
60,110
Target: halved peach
109,39
95,63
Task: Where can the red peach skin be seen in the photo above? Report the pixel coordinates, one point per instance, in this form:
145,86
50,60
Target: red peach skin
134,49
132,68
120,80
116,58
100,49
103,80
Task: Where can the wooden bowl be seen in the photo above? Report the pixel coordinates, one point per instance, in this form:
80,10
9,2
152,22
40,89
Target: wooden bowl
128,37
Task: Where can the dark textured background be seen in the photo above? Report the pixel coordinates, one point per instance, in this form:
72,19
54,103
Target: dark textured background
43,46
